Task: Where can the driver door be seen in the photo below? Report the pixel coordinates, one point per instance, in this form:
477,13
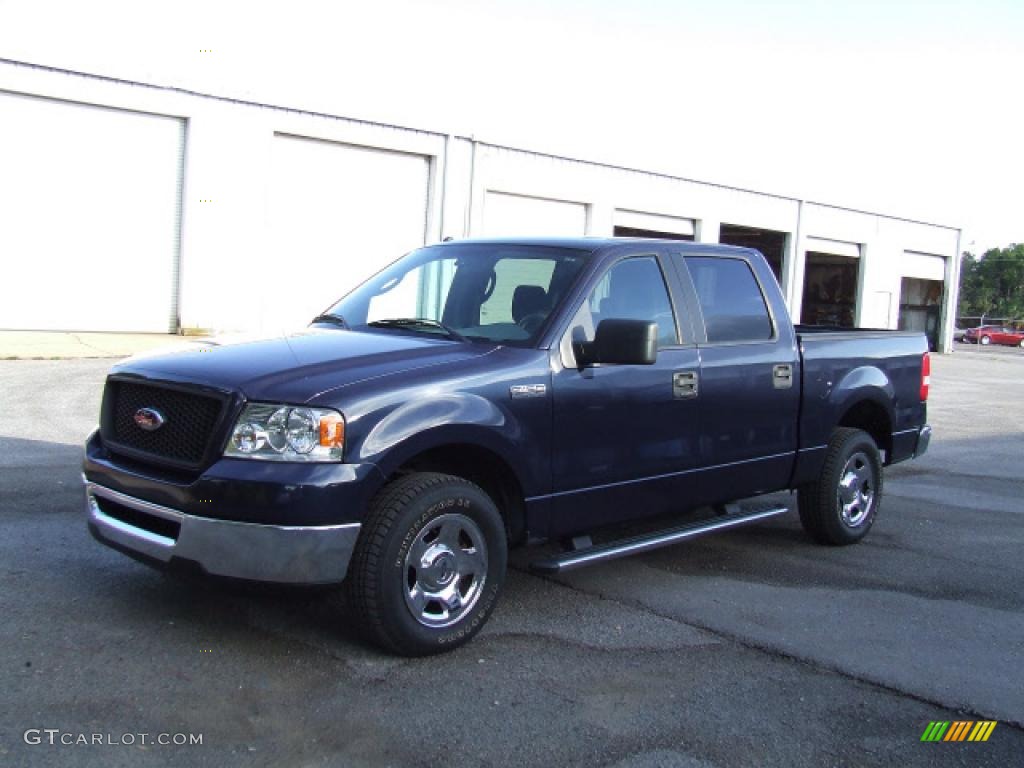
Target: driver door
626,437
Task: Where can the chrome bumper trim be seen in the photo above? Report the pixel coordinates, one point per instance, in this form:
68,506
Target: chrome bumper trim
924,437
276,553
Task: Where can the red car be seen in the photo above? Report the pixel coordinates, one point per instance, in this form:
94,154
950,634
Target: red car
995,334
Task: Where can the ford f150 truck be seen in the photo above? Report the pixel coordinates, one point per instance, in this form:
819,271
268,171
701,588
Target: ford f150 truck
477,395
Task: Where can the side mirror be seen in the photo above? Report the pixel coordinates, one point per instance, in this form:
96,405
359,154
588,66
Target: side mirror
618,342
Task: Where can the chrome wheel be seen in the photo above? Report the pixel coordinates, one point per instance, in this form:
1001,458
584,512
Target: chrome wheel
856,492
445,570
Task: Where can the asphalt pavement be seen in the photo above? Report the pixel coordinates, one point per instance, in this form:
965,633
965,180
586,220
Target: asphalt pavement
750,648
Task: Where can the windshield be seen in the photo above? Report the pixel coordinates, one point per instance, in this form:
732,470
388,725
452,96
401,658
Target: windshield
478,292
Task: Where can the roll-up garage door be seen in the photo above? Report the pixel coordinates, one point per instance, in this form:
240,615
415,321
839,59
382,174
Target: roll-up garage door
90,202
923,266
507,215
339,214
835,247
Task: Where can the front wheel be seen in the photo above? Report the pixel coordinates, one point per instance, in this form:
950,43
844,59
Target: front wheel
985,340
1021,344
429,564
841,505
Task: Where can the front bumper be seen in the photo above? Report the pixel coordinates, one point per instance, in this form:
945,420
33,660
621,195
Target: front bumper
242,490
277,553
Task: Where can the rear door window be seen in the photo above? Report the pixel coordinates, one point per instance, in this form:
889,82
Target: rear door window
731,300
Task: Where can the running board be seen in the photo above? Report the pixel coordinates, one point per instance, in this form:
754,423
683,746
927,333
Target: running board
734,516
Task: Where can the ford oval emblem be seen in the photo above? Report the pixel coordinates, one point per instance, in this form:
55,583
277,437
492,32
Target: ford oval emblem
148,419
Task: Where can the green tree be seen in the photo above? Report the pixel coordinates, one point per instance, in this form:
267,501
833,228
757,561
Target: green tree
993,285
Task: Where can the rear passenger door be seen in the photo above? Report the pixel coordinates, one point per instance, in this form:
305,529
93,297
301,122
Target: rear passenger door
749,374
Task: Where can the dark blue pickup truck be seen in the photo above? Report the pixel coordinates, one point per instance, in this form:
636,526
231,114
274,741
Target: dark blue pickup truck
481,394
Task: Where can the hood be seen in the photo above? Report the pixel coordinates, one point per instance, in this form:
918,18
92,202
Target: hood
298,367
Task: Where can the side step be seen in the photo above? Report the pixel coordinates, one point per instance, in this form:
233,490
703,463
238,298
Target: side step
734,516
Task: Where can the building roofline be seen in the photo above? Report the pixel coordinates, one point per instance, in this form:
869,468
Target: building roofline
468,137
717,185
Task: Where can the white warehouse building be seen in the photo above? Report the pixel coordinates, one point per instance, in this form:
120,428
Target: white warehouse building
132,207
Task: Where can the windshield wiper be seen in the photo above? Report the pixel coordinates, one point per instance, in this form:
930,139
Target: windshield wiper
413,323
329,318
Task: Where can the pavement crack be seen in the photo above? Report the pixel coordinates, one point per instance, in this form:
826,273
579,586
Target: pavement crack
86,344
574,643
776,653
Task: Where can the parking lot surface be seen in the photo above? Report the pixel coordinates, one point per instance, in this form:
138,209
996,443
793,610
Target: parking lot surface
749,648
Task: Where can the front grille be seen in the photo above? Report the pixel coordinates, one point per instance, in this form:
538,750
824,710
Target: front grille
190,421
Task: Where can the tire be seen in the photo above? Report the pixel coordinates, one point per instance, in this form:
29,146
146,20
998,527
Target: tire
429,564
1021,344
985,341
841,506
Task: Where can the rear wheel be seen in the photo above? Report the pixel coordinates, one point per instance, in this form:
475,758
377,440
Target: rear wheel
1021,344
429,564
841,506
986,340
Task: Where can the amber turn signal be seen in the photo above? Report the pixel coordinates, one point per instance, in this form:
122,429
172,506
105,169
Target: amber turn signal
332,431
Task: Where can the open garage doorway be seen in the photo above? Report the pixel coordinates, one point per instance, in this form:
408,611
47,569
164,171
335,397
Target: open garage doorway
921,307
649,233
830,290
769,242
655,226
923,295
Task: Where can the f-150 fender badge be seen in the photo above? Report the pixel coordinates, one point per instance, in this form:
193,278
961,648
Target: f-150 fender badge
528,390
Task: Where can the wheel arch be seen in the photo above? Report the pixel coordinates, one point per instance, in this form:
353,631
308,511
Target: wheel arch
864,399
871,416
480,464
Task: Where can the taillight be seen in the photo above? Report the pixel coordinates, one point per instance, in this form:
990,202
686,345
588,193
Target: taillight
926,375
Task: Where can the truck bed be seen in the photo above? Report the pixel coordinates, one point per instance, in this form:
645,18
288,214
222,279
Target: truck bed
836,362
818,331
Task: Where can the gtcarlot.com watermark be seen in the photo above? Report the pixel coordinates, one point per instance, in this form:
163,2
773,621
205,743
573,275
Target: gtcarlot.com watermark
56,737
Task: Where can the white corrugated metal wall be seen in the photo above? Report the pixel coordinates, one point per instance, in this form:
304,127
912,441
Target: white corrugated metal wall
304,205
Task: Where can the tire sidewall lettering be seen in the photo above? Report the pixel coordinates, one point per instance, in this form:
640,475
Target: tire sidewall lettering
423,519
479,613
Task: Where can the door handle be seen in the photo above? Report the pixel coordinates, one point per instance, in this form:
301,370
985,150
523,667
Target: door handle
782,376
684,384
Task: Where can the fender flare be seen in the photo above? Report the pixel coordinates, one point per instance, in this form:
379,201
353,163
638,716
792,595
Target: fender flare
866,383
449,419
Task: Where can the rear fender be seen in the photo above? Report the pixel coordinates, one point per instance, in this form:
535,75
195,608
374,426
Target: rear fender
864,384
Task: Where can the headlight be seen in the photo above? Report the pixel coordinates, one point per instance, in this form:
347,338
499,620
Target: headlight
287,433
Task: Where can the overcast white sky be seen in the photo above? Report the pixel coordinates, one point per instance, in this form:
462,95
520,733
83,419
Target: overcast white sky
904,107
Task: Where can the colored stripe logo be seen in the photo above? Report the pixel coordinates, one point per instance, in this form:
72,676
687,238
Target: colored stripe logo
959,730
